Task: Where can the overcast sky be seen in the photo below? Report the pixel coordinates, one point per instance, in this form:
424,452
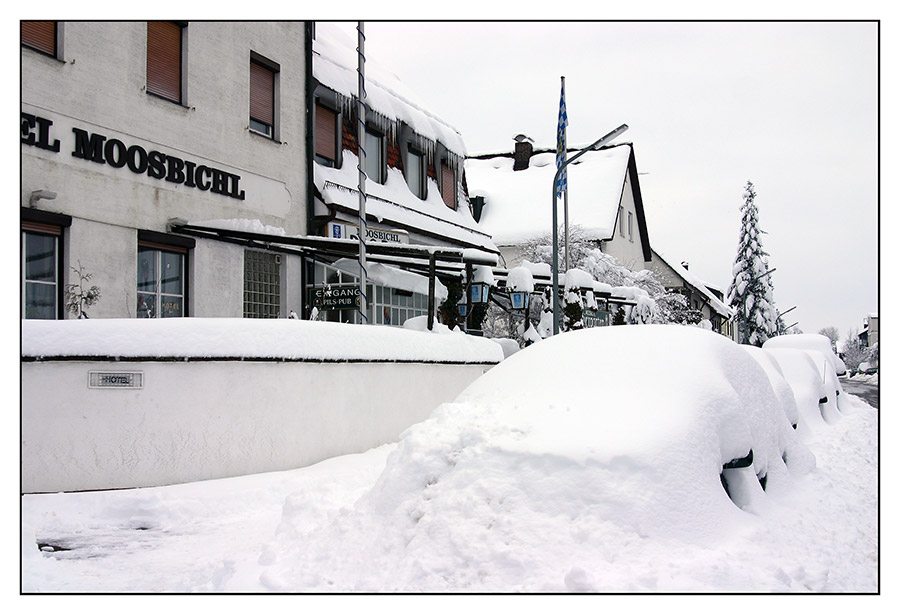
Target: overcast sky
790,106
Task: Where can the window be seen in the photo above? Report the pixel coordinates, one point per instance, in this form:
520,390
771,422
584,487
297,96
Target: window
40,263
160,281
621,221
263,95
262,284
326,136
164,59
40,35
630,226
448,185
414,165
374,149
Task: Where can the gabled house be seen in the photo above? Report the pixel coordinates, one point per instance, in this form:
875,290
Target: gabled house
676,277
512,194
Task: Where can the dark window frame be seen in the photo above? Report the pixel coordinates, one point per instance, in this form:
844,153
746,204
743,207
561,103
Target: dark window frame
39,222
172,244
422,191
382,154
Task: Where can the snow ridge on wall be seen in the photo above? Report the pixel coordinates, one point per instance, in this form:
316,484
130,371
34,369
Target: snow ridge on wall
244,338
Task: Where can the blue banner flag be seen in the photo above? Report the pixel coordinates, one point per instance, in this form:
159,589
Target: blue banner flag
561,140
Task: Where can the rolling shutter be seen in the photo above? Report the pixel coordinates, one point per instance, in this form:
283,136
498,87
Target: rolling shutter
40,35
326,122
448,186
262,94
164,59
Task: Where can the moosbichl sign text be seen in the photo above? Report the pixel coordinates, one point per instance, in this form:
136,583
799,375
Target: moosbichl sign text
37,132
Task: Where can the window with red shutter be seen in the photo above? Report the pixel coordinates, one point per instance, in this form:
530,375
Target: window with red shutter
40,35
164,59
326,135
262,99
448,186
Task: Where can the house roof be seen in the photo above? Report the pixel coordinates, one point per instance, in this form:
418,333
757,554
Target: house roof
697,284
335,63
518,204
390,203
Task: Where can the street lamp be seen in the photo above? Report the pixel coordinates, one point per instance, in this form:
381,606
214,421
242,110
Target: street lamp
519,300
480,292
601,141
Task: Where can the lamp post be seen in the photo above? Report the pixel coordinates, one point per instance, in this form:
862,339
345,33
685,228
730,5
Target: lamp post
601,141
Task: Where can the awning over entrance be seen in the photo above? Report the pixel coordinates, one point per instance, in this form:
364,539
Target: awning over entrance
413,257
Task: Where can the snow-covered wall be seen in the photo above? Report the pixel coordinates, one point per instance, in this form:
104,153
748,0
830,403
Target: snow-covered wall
252,396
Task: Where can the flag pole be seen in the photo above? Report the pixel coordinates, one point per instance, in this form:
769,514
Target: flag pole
601,141
564,121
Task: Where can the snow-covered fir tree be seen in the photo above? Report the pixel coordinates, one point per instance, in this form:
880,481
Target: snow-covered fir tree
750,291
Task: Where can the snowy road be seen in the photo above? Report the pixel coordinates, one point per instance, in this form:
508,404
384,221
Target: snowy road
868,392
220,536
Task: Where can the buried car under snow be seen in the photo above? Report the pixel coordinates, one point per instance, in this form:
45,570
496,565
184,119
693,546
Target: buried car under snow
825,364
578,443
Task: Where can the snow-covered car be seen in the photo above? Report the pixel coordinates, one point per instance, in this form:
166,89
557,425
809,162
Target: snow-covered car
867,368
780,385
810,342
818,347
814,394
654,431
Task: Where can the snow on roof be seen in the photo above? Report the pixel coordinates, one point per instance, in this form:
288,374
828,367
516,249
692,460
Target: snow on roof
697,283
394,203
335,62
518,204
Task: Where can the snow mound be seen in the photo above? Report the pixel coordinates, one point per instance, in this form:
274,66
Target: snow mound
541,471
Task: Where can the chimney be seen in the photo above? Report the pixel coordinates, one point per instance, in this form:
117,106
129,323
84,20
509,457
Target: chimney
522,152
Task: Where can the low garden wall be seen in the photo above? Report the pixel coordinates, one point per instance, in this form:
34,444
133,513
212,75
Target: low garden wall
127,403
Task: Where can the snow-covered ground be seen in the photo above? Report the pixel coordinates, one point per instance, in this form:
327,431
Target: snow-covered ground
566,484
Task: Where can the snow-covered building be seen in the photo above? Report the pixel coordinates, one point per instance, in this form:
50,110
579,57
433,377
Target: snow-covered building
513,193
211,169
129,129
700,296
414,179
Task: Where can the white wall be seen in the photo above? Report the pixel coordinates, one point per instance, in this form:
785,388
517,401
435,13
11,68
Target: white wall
203,420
